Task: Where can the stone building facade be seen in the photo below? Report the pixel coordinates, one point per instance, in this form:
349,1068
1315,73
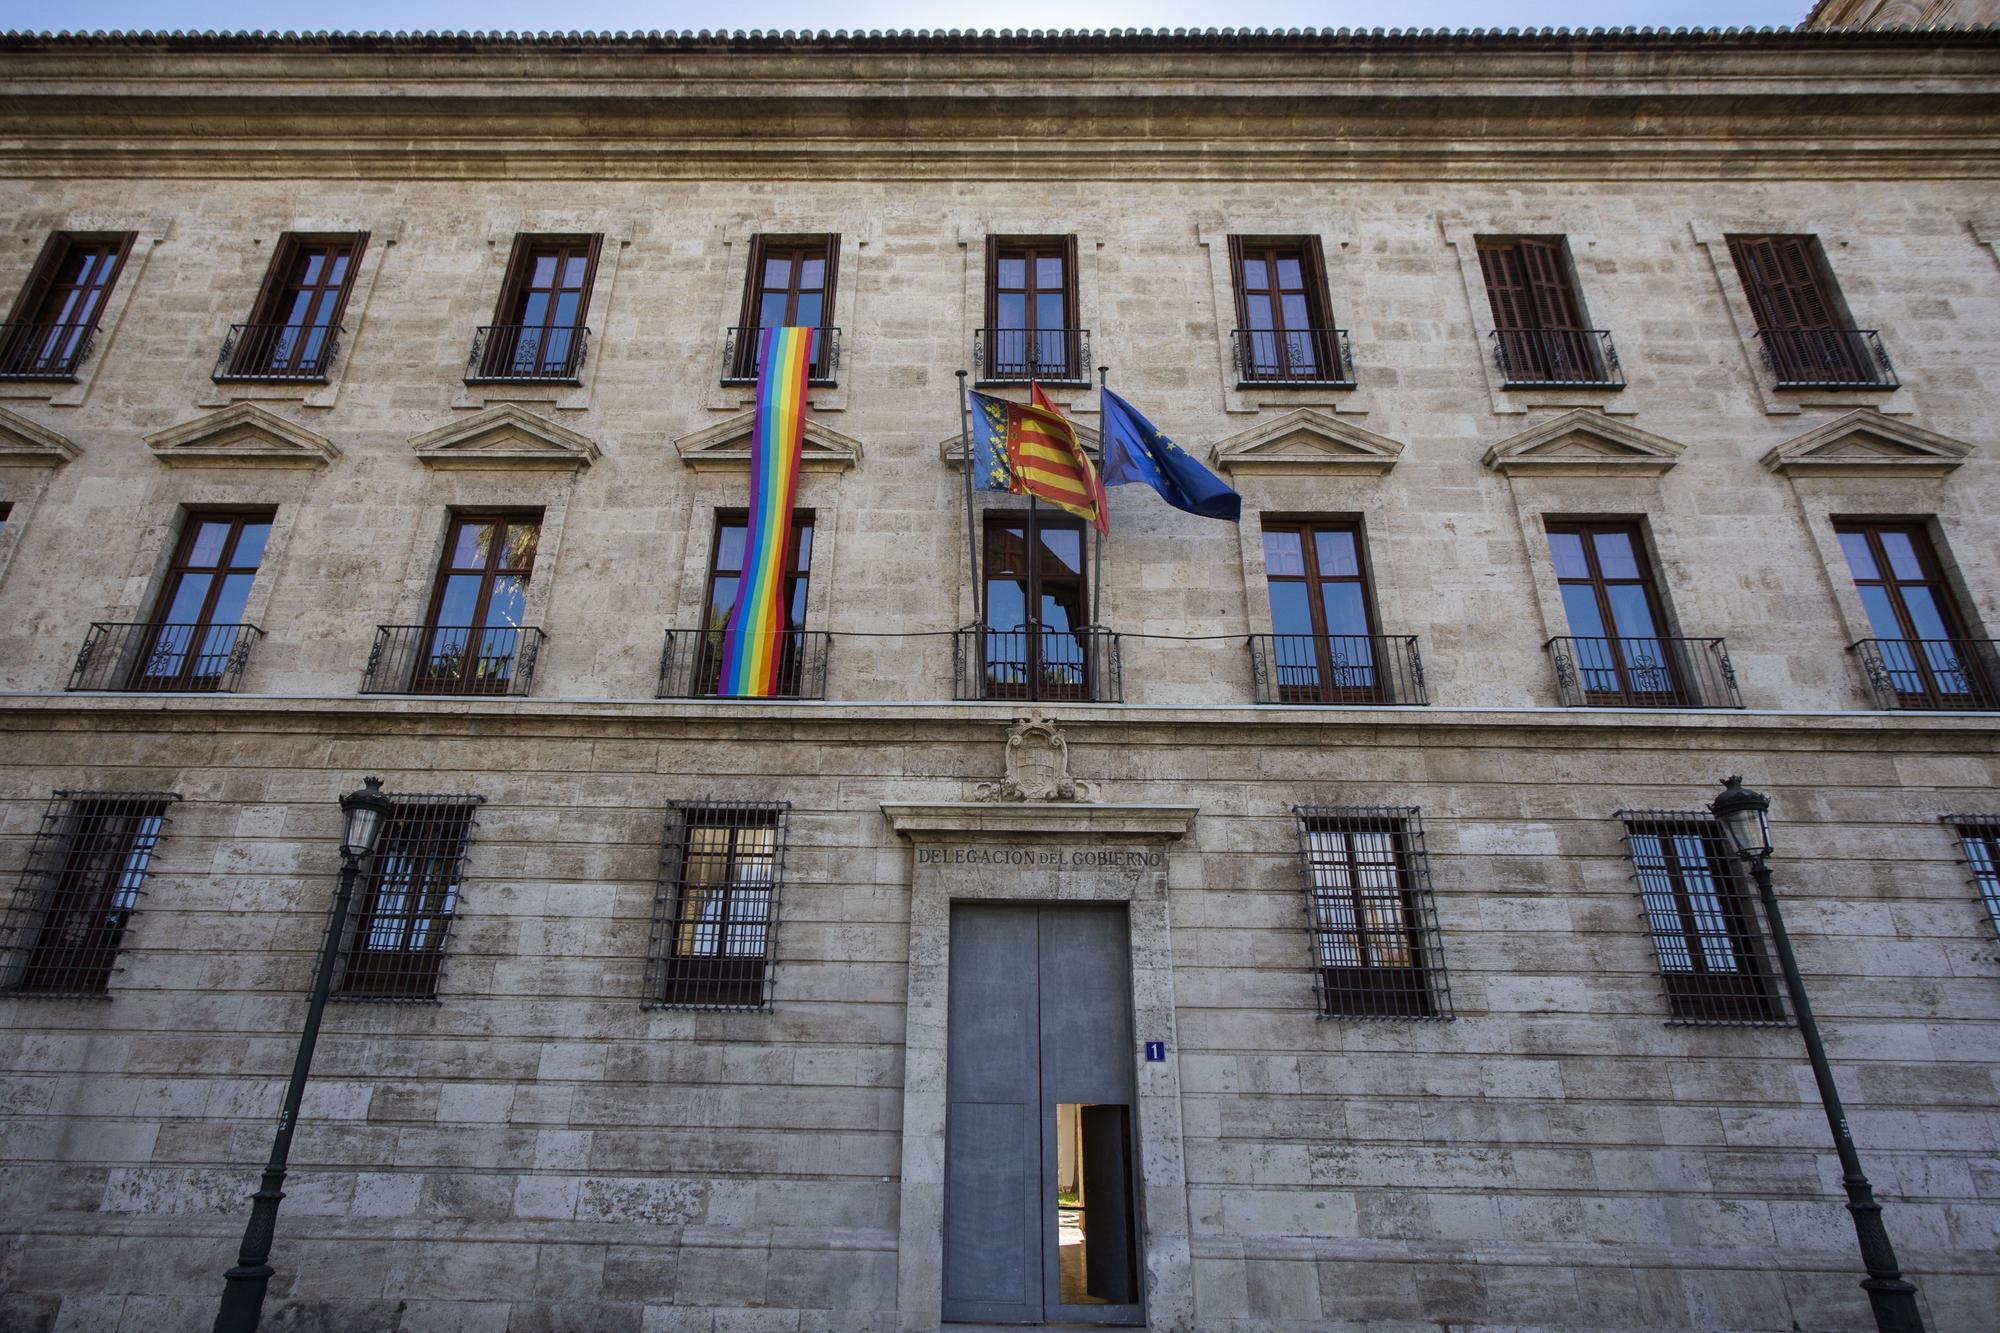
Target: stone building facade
1538,1077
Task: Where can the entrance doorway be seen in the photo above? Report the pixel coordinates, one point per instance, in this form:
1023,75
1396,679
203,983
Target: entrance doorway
1040,1215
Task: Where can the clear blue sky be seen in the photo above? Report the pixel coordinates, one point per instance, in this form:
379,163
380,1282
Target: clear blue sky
629,15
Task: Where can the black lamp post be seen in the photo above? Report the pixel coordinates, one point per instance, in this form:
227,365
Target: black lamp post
1744,816
367,810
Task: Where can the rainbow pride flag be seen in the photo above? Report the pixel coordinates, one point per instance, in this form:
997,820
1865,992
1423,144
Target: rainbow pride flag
753,642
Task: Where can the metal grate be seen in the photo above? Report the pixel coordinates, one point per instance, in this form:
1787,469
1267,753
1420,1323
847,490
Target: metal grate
85,873
1979,839
394,949
1707,934
715,916
1371,913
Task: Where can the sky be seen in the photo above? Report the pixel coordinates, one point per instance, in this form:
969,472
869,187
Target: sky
639,15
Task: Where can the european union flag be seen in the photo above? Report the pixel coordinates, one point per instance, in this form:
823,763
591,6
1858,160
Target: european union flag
1135,450
990,470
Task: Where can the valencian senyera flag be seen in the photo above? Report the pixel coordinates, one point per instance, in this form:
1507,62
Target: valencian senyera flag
1136,450
753,642
1031,449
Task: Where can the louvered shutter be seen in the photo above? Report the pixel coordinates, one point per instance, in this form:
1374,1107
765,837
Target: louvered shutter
1506,289
1549,294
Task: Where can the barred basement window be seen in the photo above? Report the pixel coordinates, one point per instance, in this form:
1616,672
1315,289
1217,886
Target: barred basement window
1979,836
1371,912
82,883
396,938
1706,932
715,918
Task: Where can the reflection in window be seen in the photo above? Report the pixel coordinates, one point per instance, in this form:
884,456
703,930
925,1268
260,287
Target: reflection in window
478,608
198,622
395,944
716,913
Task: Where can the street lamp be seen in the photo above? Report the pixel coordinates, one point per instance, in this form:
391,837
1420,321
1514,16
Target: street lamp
367,810
1744,816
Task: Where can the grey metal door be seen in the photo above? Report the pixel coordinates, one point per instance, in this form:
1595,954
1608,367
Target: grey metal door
1040,1016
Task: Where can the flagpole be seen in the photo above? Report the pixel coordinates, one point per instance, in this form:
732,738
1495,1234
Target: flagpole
971,528
1097,575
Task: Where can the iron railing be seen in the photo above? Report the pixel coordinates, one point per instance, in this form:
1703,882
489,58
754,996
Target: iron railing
1708,935
277,353
1827,358
1077,665
1310,357
1337,669
527,354
691,664
44,351
199,659
742,356
1936,674
393,945
1644,672
1568,358
1015,356
452,659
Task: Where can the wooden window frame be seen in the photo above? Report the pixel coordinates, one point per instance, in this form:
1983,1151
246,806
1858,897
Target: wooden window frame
1628,694
1366,987
1328,669
395,942
254,357
499,356
1540,325
691,963
1323,340
1029,663
194,651
1909,661
1698,992
25,353
743,362
1803,325
708,670
467,679
1031,248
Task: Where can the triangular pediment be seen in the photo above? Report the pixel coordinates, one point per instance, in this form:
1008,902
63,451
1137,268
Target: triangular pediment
726,445
1306,441
242,435
25,443
1584,443
507,436
1864,442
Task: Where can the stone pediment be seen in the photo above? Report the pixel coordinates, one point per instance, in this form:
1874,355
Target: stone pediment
1306,441
25,443
507,436
1584,443
1864,442
726,445
242,435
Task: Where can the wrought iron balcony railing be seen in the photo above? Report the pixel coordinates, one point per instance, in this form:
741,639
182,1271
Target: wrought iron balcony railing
1353,669
1644,672
452,659
1564,358
527,354
1934,674
742,357
1827,358
1015,356
277,353
44,351
1074,665
1311,358
691,664
158,659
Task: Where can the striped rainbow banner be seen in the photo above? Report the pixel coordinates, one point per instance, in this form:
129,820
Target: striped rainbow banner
753,642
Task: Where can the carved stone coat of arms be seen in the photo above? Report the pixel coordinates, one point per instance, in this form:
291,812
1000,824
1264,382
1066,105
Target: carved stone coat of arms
1037,766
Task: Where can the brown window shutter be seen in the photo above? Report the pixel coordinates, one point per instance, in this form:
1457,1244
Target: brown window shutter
1075,313
274,278
359,244
28,305
753,282
593,247
504,311
992,281
1318,298
832,276
1763,278
1801,271
1550,298
1505,287
1236,280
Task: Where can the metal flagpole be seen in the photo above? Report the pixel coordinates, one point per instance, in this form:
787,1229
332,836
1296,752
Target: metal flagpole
1103,437
971,533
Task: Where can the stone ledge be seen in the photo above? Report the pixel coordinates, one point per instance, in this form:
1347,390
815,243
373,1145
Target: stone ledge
1042,818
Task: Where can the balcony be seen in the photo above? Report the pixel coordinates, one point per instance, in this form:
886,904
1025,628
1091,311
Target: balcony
1048,356
1037,664
1827,358
1653,672
1932,674
277,354
1351,670
742,355
452,659
1557,358
44,351
527,354
1302,358
163,659
691,665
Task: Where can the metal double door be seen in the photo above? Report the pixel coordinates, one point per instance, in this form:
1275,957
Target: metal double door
1040,1020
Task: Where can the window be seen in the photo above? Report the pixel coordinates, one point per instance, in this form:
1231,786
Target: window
294,329
1539,333
197,630
1370,912
1979,838
1615,653
1921,655
474,633
1037,642
797,665
394,947
1284,332
6,512
1323,644
537,331
49,331
1802,325
85,873
716,915
789,284
1705,931
1031,312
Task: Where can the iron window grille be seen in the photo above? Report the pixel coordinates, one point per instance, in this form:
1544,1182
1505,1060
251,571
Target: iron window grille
1371,914
1979,839
85,875
395,944
715,915
1708,936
